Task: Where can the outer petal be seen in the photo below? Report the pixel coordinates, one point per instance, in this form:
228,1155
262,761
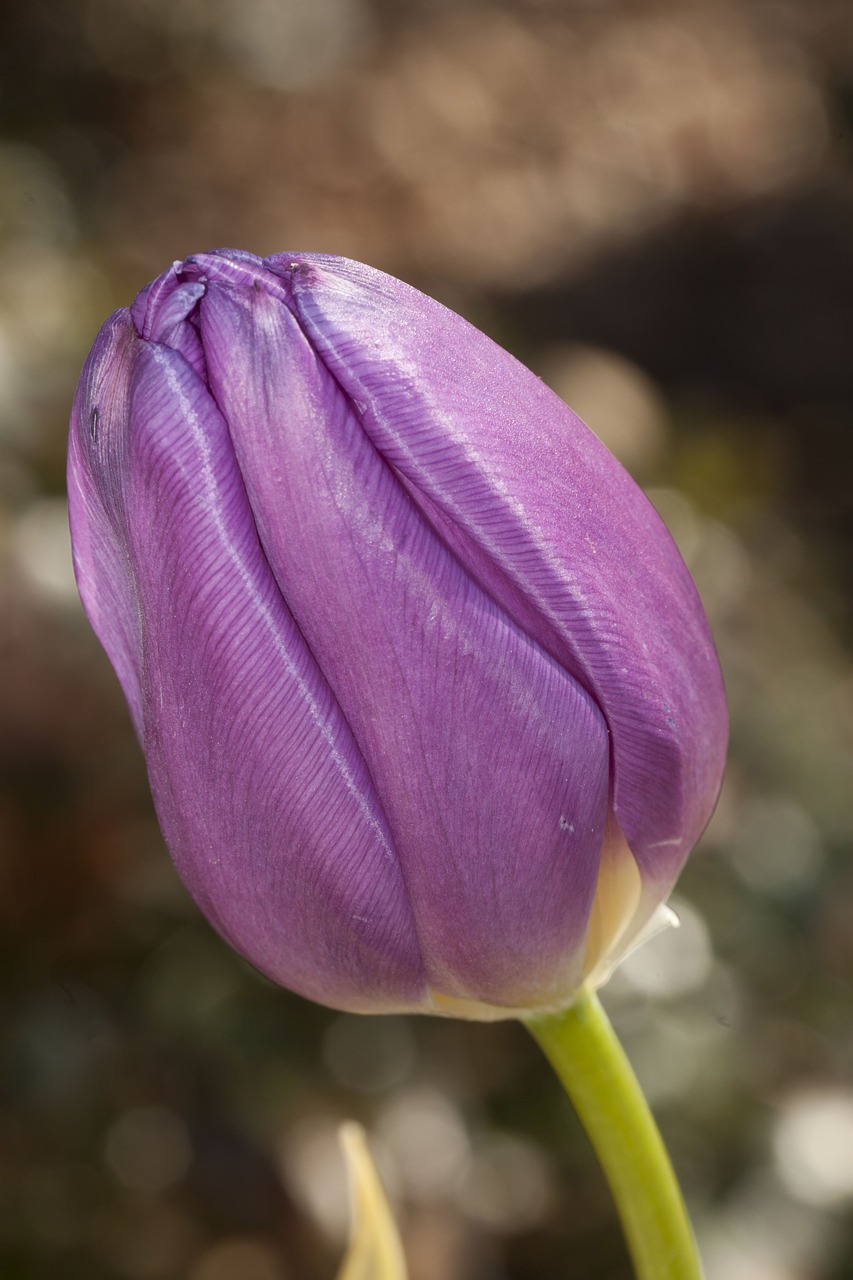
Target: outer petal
96,500
260,789
491,762
548,523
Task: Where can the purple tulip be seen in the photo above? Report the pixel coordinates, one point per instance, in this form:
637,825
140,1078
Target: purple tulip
430,707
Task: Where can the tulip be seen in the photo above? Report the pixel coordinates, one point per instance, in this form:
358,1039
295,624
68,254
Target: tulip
429,704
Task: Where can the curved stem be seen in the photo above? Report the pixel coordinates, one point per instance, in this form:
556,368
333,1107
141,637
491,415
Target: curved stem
591,1064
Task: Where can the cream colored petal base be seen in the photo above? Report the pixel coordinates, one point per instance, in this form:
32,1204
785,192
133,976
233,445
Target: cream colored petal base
622,918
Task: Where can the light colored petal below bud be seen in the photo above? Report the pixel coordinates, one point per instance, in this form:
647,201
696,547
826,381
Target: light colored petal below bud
374,1252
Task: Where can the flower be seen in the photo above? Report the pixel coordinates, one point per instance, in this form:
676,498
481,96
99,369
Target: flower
430,707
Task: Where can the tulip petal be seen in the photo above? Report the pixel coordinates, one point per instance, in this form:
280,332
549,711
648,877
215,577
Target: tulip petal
549,525
95,500
492,763
260,789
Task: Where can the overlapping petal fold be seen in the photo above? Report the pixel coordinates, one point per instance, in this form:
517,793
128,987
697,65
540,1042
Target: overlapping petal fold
262,793
492,762
545,520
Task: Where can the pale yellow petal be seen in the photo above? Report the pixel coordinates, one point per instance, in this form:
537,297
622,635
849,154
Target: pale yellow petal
374,1252
621,919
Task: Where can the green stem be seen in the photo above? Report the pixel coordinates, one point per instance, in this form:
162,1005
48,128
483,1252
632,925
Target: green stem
583,1049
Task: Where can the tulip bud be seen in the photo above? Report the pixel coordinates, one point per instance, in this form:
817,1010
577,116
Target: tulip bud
430,708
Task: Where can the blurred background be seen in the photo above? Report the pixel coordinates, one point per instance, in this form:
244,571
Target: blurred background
649,203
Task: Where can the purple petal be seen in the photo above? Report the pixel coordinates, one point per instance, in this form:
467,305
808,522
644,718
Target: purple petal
539,513
491,762
262,794
97,467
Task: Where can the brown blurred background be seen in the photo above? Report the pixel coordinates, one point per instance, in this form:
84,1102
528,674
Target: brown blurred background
651,204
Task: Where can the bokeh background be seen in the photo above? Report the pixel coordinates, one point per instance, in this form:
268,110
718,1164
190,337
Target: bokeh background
650,203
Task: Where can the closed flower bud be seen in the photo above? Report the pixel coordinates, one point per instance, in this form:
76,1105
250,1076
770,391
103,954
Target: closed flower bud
430,708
